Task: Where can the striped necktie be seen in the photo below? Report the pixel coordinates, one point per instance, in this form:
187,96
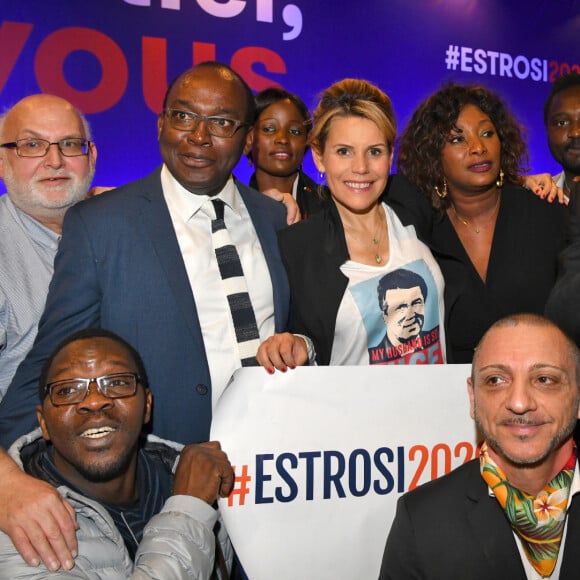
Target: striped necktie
236,288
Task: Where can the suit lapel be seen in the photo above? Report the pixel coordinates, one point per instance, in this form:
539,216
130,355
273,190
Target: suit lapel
571,560
159,229
265,226
492,531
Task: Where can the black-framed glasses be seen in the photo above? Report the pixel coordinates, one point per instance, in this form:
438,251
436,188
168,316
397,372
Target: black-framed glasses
73,391
72,147
216,126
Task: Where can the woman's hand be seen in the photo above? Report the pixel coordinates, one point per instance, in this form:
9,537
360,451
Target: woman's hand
545,187
282,351
292,209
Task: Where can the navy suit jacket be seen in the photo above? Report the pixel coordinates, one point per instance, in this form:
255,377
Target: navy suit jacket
119,267
452,528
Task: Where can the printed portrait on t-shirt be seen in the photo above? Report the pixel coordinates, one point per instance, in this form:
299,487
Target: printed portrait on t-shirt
400,312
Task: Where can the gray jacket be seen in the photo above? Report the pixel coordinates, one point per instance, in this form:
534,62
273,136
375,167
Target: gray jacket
178,542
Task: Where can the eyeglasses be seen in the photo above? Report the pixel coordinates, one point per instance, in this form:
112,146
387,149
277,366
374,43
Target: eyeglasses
216,126
73,391
39,147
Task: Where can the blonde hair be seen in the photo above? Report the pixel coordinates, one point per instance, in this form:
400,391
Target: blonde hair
353,98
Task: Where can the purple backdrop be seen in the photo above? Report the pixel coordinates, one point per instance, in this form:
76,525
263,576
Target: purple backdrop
114,58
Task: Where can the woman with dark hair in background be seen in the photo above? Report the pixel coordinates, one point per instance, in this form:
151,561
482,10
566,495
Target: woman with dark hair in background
277,146
458,183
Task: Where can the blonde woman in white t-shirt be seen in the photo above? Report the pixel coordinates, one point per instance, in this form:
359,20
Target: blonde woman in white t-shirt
337,258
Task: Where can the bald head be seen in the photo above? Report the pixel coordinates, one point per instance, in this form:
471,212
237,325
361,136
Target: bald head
226,73
199,160
535,321
524,398
51,104
45,187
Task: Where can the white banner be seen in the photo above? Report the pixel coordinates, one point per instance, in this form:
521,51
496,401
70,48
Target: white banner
322,454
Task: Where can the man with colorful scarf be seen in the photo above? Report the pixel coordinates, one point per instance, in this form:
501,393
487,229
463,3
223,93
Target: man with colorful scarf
515,512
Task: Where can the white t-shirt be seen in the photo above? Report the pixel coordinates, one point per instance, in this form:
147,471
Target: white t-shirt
409,329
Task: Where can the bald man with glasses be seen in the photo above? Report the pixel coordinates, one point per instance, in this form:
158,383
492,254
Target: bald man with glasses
47,162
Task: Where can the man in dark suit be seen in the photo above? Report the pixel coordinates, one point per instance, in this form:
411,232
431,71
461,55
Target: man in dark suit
140,261
513,514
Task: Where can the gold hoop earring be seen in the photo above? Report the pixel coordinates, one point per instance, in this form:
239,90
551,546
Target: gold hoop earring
442,193
499,181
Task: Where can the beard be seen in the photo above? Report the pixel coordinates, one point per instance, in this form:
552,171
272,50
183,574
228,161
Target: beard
100,472
569,162
555,442
35,198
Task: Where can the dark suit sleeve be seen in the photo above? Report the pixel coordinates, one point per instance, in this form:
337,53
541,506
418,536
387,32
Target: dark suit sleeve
73,303
562,304
303,291
400,559
288,253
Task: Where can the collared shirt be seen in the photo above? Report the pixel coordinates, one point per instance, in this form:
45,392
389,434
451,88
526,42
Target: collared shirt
27,250
531,573
193,230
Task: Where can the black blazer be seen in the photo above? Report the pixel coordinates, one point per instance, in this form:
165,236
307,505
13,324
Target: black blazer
562,306
312,252
451,528
529,235
307,196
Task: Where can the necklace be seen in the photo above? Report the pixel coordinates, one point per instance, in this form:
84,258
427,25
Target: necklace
467,224
375,240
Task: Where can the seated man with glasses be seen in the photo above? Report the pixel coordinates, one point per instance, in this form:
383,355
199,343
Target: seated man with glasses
47,161
137,512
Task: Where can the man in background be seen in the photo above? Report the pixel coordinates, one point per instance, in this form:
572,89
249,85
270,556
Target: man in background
47,162
562,120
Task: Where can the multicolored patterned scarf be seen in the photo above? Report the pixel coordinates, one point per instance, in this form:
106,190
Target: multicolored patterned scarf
538,521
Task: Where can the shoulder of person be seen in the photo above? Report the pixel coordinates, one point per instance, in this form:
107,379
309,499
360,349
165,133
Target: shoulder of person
118,202
399,187
446,490
307,183
165,451
520,197
305,231
257,199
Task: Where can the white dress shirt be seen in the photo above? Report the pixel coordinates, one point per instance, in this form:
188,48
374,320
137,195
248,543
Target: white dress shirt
193,230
